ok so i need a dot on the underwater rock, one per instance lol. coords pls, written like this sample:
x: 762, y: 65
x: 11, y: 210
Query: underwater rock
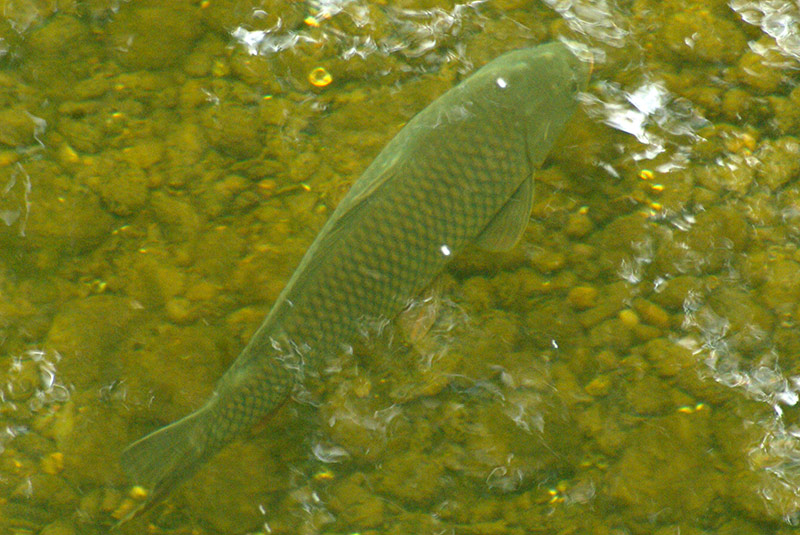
x: 152, y: 36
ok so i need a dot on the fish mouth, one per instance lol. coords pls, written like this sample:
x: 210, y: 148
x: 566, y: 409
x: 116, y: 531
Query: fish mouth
x: 583, y: 69
x: 582, y: 63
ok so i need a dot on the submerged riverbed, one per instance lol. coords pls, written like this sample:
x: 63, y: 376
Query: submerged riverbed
x: 630, y: 367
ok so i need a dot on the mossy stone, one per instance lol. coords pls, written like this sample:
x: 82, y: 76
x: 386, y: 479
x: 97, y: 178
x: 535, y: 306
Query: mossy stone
x: 780, y: 162
x: 411, y: 477
x: 152, y: 36
x: 697, y: 34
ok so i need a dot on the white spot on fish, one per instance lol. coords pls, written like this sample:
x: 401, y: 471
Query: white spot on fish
x: 501, y: 83
x: 445, y: 250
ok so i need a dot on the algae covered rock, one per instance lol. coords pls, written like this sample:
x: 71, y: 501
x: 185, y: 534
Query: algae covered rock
x: 412, y: 477
x: 60, y: 51
x: 61, y: 217
x: 619, y: 238
x: 719, y: 233
x: 651, y: 313
x: 178, y: 217
x: 734, y: 174
x: 582, y: 297
x: 352, y: 500
x: 17, y: 127
x: 666, y: 464
x: 763, y: 67
x: 59, y: 527
x: 47, y: 490
x: 786, y: 112
x: 780, y: 162
x: 699, y: 34
x: 749, y: 322
x: 551, y: 321
x: 611, y: 334
x: 88, y: 435
x: 668, y: 358
x: 673, y: 293
x: 152, y: 35
x: 234, y: 130
x: 224, y: 15
x: 122, y: 187
x: 649, y: 396
x: 228, y: 493
x: 84, y: 331
x: 781, y: 289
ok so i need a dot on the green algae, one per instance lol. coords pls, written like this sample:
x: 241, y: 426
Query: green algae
x: 181, y: 180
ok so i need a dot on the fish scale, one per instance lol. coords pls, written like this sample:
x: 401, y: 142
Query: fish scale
x: 459, y: 172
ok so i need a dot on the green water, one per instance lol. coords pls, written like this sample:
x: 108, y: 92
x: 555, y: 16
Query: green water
x: 629, y: 368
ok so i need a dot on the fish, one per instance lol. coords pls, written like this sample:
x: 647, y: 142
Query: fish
x: 460, y: 172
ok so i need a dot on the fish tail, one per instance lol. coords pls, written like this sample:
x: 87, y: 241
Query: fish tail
x: 167, y: 456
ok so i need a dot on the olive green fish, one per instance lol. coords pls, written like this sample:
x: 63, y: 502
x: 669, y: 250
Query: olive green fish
x: 460, y: 172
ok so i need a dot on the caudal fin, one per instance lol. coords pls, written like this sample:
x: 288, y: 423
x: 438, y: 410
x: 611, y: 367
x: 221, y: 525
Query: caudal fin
x: 167, y: 456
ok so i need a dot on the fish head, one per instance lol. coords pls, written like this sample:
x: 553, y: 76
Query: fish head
x: 537, y: 88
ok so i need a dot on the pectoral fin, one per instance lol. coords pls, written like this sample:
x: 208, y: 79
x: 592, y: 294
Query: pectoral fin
x: 506, y: 228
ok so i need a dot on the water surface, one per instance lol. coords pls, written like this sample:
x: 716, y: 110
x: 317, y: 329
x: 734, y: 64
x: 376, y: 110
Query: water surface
x: 630, y: 367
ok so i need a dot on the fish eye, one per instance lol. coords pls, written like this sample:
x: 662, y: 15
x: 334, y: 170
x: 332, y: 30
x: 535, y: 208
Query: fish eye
x: 573, y: 84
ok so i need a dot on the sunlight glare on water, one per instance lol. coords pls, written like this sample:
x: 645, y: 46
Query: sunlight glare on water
x: 779, y: 19
x: 415, y: 33
x: 601, y: 21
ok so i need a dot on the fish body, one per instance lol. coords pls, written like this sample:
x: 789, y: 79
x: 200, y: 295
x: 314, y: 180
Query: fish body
x: 460, y: 172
